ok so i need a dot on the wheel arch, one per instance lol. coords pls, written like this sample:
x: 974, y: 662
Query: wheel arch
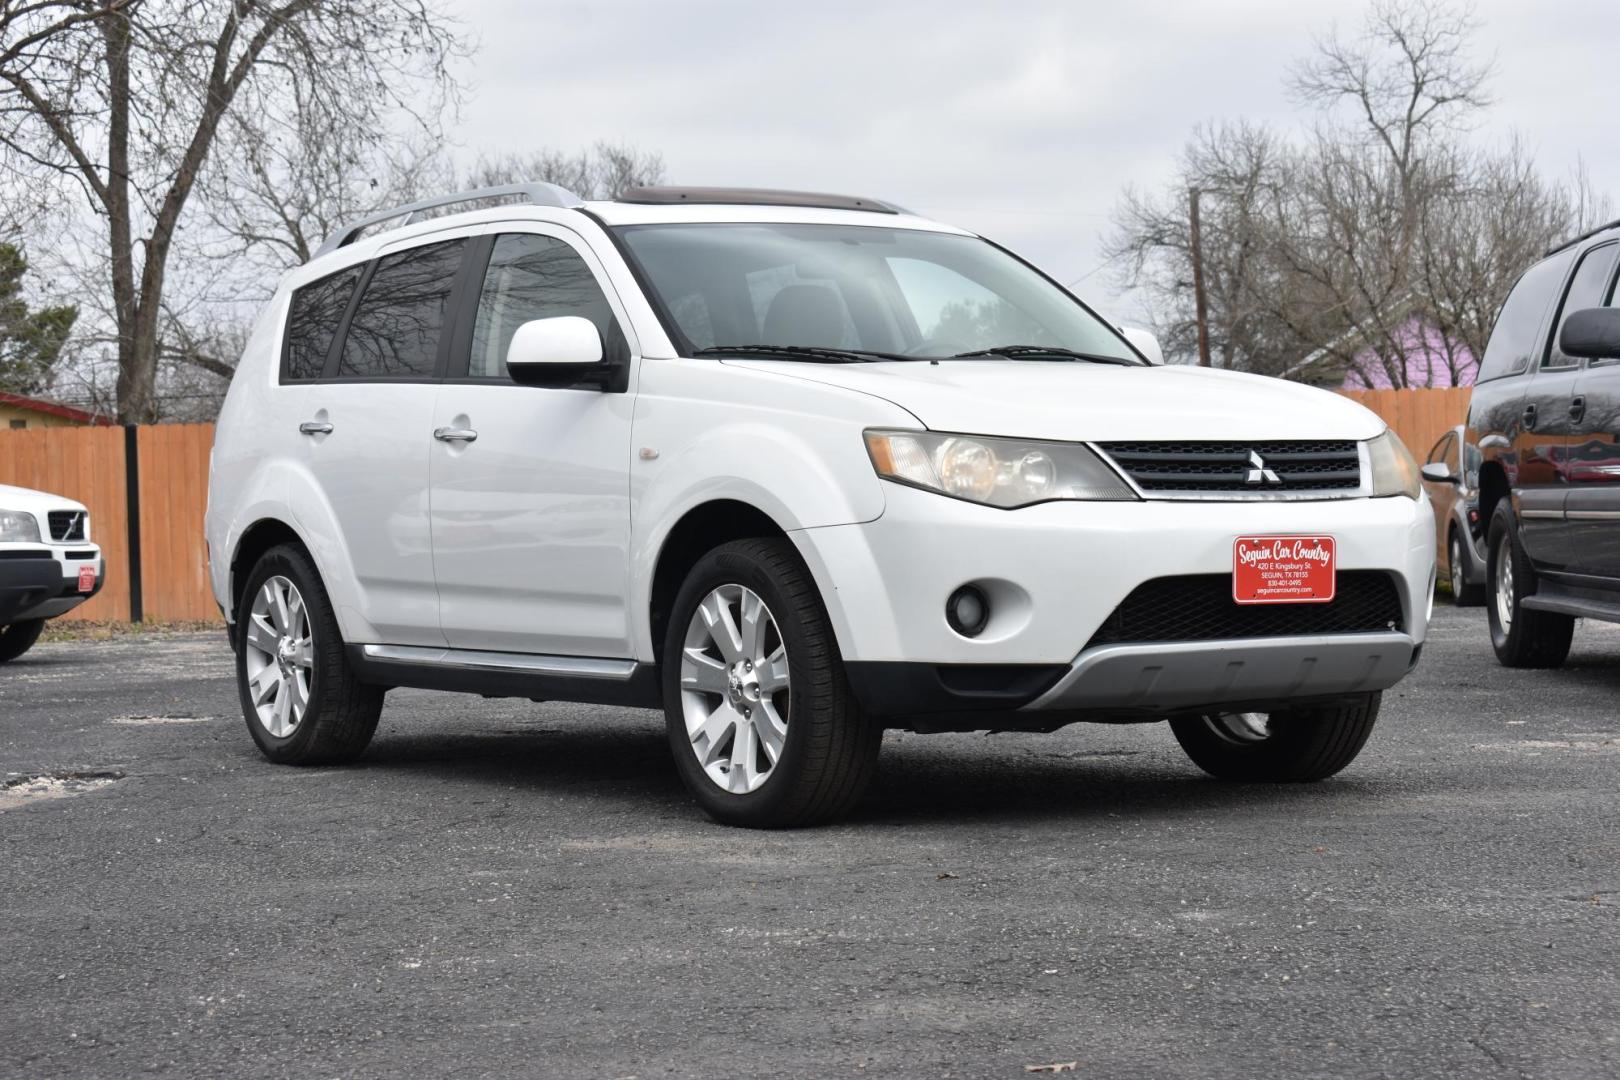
x: 699, y: 530
x: 1493, y: 488
x: 257, y: 539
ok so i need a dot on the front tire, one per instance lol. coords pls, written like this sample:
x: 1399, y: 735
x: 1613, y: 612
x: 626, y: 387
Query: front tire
x: 1462, y: 593
x: 19, y: 637
x: 1521, y: 637
x: 764, y: 728
x: 301, y: 699
x: 1286, y: 746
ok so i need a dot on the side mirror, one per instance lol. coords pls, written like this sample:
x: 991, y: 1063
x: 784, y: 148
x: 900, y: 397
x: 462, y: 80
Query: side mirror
x: 1593, y: 333
x: 562, y: 351
x: 1145, y: 343
x: 1439, y: 472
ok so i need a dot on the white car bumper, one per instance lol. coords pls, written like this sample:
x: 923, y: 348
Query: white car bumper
x: 1054, y: 574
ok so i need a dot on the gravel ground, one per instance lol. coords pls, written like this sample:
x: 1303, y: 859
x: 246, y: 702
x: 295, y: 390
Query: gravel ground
x: 503, y: 888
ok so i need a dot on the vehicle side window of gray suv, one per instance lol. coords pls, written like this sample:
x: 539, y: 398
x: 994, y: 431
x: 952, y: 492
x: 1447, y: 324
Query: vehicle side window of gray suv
x: 531, y: 276
x: 395, y: 330
x: 1610, y: 299
x: 1517, y: 335
x: 1586, y: 290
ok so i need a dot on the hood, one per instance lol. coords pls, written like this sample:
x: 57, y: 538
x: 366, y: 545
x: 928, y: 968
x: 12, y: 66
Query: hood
x: 1081, y: 402
x: 33, y: 502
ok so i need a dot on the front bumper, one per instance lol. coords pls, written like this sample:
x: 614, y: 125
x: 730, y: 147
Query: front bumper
x: 47, y: 584
x: 25, y: 584
x: 1055, y: 572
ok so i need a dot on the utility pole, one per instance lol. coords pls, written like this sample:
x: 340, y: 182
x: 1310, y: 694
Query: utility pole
x: 1201, y: 309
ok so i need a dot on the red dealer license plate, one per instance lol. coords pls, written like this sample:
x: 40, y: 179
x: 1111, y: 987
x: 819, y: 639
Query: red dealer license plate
x: 87, y: 579
x: 1283, y: 569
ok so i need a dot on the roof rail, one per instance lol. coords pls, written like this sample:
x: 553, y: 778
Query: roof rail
x: 1556, y: 248
x: 753, y: 197
x: 536, y: 192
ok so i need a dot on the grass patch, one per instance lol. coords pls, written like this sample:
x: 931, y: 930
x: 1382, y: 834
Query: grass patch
x: 84, y: 630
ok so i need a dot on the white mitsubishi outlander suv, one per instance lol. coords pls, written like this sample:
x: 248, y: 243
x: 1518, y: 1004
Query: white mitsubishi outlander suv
x: 795, y: 469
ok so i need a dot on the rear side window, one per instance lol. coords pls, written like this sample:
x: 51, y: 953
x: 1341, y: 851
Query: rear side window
x: 312, y: 323
x: 1586, y: 290
x: 533, y: 277
x: 396, y: 328
x: 1517, y: 335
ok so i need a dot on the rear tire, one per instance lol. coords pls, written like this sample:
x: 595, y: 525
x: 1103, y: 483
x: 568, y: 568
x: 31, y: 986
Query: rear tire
x: 1522, y: 638
x: 301, y: 699
x: 764, y: 728
x: 1462, y: 593
x: 1288, y: 746
x: 19, y: 637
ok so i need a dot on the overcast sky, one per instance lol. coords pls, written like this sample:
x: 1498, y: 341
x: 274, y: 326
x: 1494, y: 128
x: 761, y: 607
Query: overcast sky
x: 1022, y: 120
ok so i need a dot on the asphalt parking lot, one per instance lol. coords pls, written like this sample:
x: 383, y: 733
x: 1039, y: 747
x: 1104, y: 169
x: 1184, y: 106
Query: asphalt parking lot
x: 503, y: 888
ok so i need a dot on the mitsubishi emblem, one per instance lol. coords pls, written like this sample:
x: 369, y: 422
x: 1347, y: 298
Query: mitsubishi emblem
x: 1258, y: 472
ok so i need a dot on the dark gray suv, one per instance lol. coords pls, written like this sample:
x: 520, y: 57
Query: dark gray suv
x: 1545, y: 419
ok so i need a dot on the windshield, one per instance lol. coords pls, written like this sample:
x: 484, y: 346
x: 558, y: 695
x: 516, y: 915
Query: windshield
x: 861, y: 289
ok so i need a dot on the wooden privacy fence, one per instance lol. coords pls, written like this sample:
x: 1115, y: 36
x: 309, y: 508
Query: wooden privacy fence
x: 162, y: 471
x: 1419, y: 417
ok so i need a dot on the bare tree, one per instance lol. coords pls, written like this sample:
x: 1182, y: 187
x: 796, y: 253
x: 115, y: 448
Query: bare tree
x: 1382, y: 244
x: 1243, y: 170
x: 132, y: 101
x: 275, y: 201
x: 601, y: 172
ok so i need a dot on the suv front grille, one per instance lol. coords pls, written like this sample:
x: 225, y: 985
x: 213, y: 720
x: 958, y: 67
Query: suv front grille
x: 67, y: 525
x: 1199, y: 607
x: 1198, y: 468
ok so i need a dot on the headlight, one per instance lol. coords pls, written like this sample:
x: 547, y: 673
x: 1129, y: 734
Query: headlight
x: 18, y: 526
x: 1393, y: 470
x: 1006, y: 473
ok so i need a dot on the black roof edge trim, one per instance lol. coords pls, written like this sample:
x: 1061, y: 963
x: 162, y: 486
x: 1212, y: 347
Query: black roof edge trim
x: 1615, y: 224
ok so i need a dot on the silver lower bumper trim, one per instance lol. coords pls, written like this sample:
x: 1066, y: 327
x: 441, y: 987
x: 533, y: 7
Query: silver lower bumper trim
x: 1180, y: 675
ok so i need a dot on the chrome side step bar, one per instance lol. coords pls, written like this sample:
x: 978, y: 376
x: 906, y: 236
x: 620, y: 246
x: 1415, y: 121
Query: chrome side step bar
x: 578, y: 667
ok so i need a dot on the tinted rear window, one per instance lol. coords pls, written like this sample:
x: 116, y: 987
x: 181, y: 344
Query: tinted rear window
x: 316, y: 311
x: 1517, y: 336
x: 395, y: 331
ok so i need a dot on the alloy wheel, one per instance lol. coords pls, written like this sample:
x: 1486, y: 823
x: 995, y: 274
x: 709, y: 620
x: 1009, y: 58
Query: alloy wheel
x: 280, y: 656
x: 734, y: 688
x: 1454, y: 557
x: 1246, y: 727
x: 1504, y: 582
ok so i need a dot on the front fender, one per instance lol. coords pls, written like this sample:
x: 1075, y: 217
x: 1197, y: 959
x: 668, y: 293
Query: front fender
x: 790, y: 448
x: 784, y: 475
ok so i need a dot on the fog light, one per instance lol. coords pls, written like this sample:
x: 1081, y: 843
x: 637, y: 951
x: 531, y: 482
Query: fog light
x: 967, y: 611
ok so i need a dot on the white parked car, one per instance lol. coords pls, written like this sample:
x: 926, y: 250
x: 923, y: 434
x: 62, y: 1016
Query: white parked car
x: 48, y: 566
x: 795, y: 469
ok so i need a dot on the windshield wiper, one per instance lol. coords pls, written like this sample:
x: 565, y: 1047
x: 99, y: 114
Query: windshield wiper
x: 1033, y: 352
x: 816, y: 353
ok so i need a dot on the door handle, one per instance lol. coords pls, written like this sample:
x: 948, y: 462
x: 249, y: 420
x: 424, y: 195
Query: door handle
x: 315, y: 427
x: 453, y: 434
x: 1577, y: 407
x: 1530, y: 417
